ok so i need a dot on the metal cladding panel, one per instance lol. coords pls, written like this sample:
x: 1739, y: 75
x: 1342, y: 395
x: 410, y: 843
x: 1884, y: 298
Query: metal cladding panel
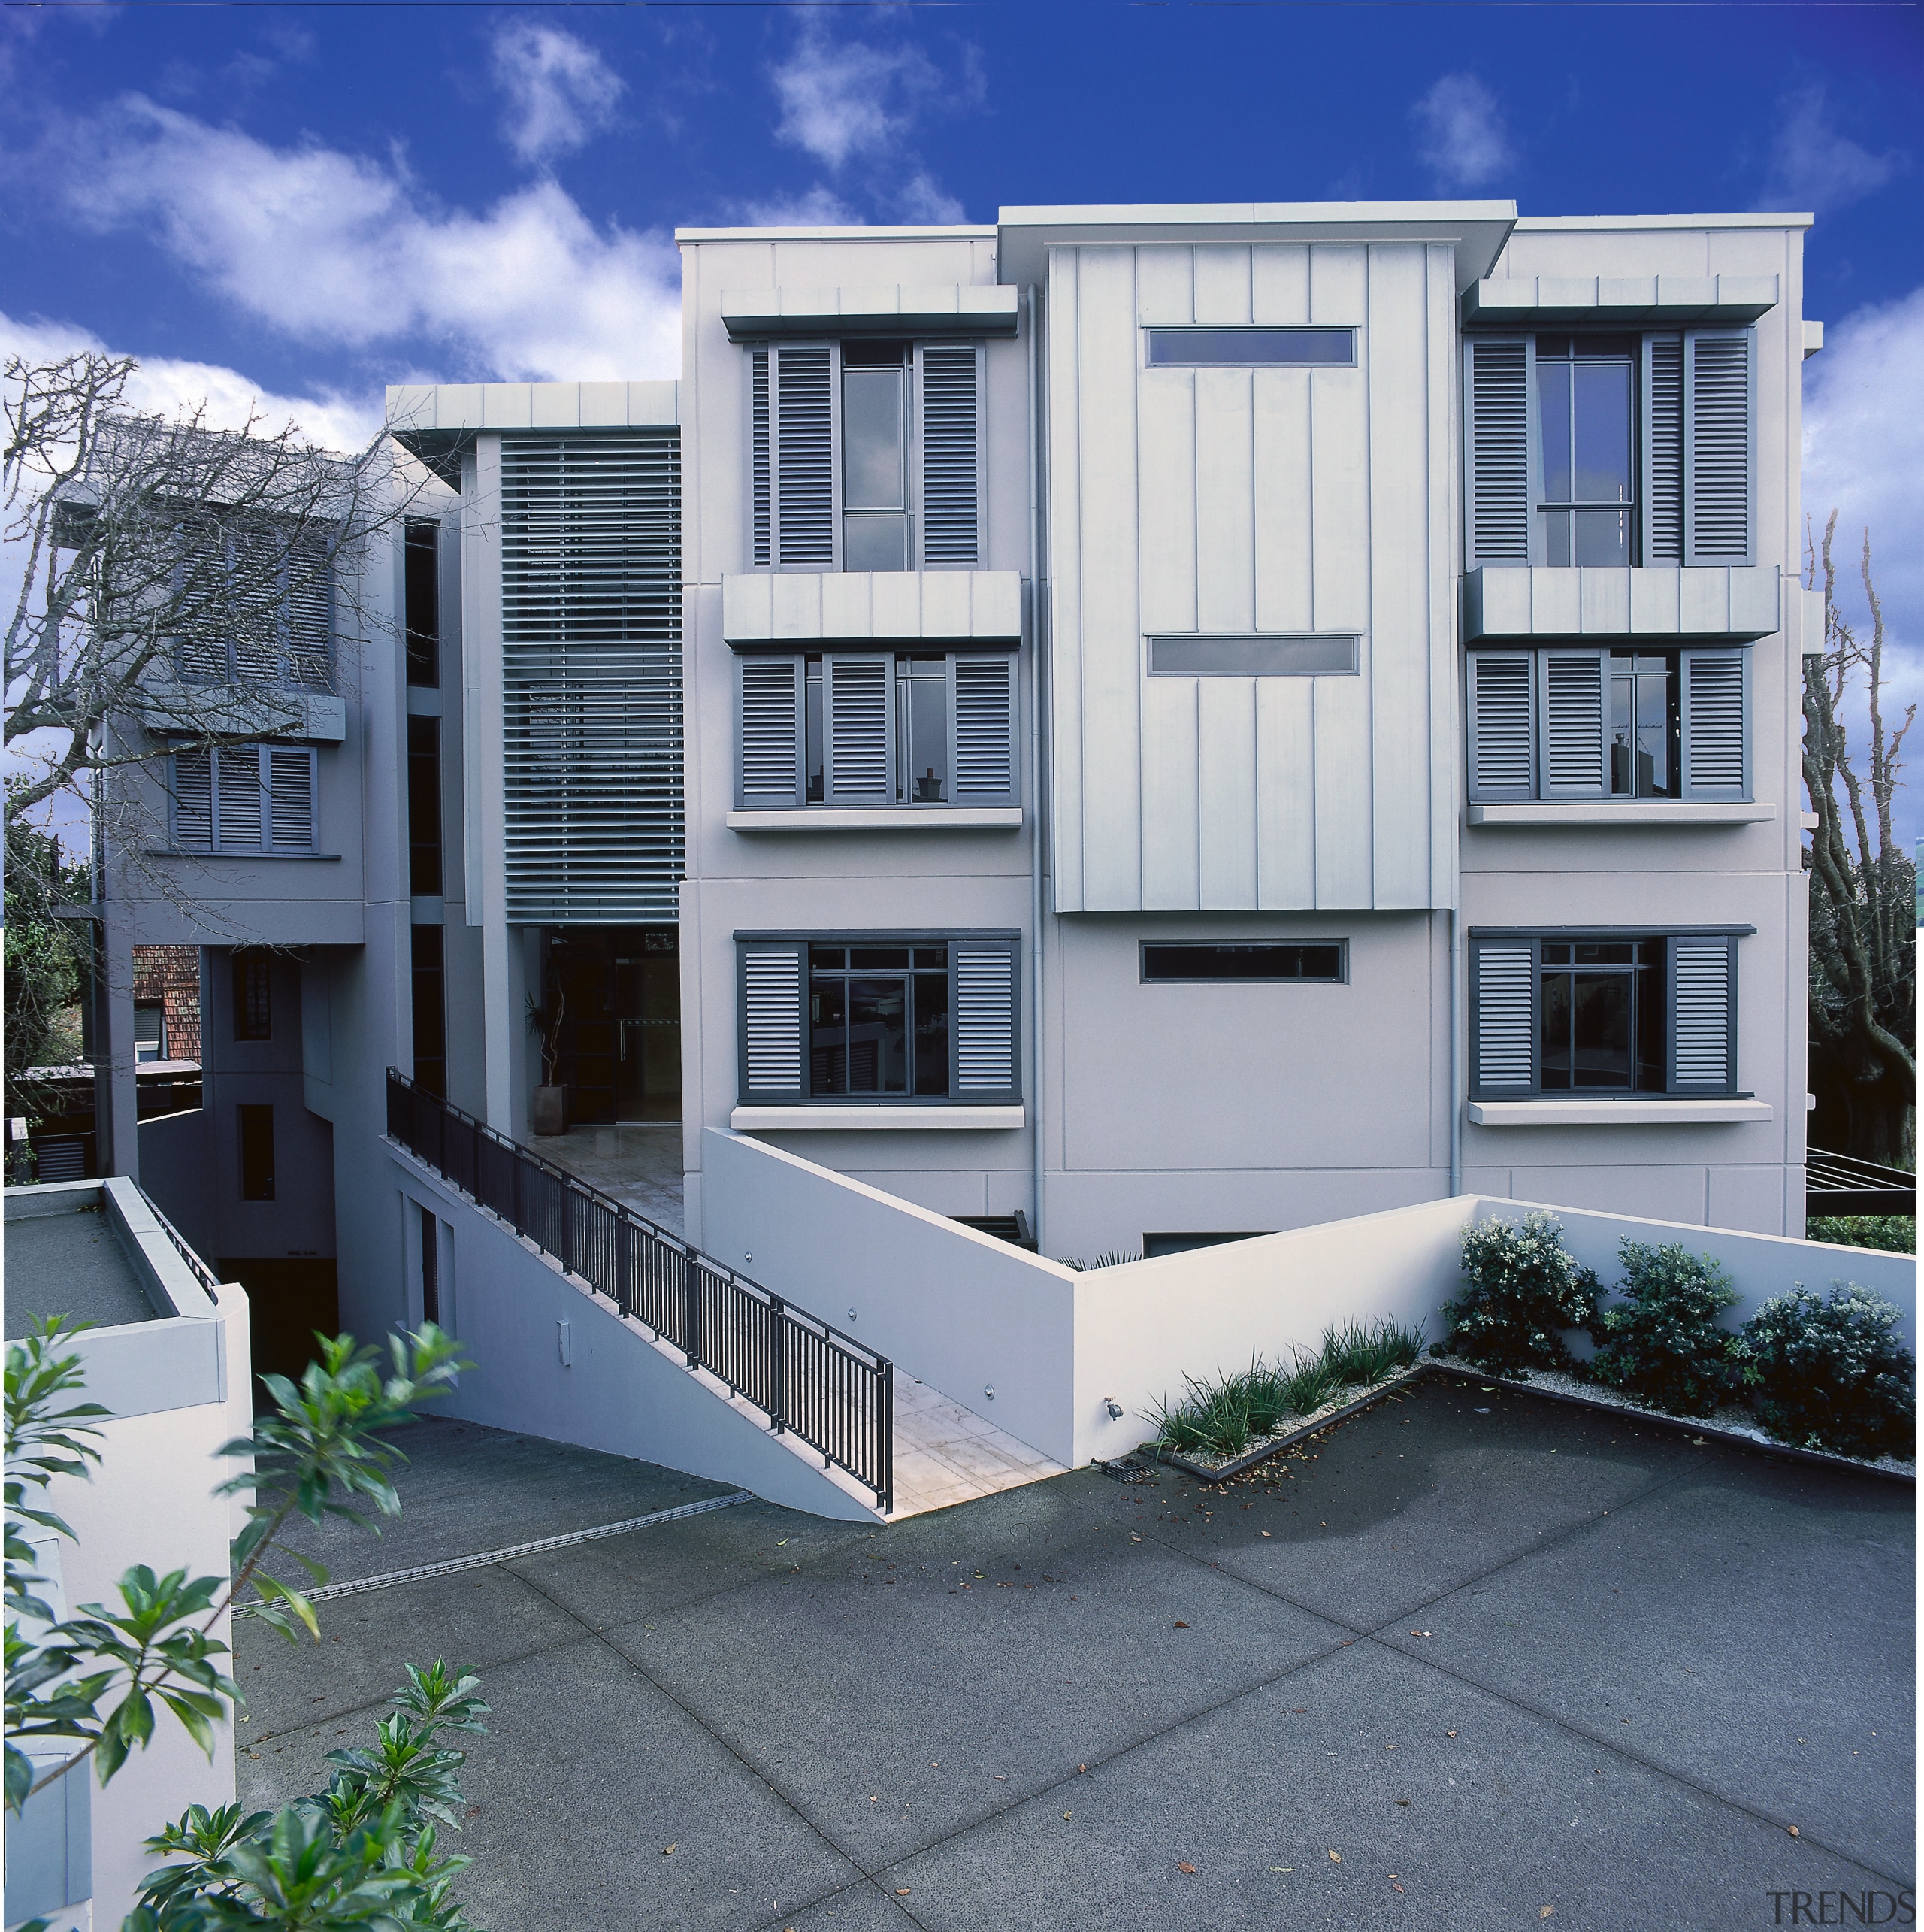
x: 591, y: 675
x: 1199, y: 499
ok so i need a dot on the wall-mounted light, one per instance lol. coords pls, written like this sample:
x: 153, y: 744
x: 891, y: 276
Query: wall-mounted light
x: 1114, y: 1407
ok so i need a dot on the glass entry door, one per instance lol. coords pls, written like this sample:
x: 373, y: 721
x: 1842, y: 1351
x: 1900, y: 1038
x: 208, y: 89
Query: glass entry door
x: 648, y: 999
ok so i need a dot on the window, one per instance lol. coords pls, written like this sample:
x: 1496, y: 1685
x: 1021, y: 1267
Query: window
x: 430, y: 1265
x: 244, y: 798
x: 426, y: 961
x: 1273, y: 656
x: 876, y: 728
x: 1265, y: 961
x: 1596, y: 449
x: 1599, y: 723
x: 1251, y: 348
x: 874, y: 1017
x: 421, y: 597
x: 150, y: 1031
x: 1555, y: 1014
x: 256, y: 605
x: 256, y: 1127
x: 253, y: 1002
x: 865, y: 455
x: 424, y: 808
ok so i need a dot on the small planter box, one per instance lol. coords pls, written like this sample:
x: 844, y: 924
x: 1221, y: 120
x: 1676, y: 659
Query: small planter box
x: 1352, y: 1401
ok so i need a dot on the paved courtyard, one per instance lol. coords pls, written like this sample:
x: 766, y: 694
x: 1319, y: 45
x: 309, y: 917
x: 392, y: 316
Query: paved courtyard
x: 1481, y: 1661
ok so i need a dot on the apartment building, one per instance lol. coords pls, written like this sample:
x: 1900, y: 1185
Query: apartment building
x: 1170, y: 723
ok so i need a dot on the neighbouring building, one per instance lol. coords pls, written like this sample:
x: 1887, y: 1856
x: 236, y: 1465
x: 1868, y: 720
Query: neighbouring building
x: 1169, y: 723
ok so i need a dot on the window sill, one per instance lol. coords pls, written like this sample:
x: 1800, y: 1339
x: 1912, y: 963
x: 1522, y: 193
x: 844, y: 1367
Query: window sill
x: 297, y: 857
x: 1622, y: 817
x: 883, y: 818
x: 858, y: 1119
x: 1654, y: 1112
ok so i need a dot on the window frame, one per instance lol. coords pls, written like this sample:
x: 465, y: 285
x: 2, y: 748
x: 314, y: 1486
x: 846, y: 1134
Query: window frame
x: 765, y: 418
x: 1145, y: 977
x: 1175, y: 330
x: 797, y: 664
x: 1002, y: 943
x: 1696, y: 938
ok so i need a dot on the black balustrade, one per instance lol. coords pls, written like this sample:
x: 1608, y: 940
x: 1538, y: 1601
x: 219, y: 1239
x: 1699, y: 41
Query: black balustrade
x: 809, y: 1380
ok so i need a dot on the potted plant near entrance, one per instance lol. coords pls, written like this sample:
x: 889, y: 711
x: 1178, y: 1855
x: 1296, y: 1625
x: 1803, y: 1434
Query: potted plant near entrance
x: 548, y: 1108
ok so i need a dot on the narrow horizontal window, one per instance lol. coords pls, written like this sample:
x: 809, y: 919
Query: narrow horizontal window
x: 1320, y: 960
x: 1273, y: 656
x: 1252, y: 348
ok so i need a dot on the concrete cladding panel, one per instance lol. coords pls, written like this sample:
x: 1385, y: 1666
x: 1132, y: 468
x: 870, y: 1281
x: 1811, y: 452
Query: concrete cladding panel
x: 1241, y: 500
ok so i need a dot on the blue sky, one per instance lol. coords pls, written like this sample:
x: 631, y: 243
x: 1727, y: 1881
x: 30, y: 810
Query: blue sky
x: 306, y: 202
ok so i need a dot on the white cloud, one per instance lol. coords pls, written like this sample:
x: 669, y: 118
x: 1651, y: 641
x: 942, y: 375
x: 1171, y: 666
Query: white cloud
x: 817, y: 207
x: 1459, y: 134
x: 561, y: 92
x: 336, y: 248
x: 840, y: 102
x: 166, y: 385
x: 1863, y: 400
x: 925, y: 200
x: 1813, y: 166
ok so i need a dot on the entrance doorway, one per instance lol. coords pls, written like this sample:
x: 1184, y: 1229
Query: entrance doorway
x: 621, y: 1042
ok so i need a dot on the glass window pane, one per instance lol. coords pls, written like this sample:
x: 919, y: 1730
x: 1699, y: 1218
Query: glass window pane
x: 1604, y: 952
x: 1649, y: 978
x: 828, y: 1045
x: 1654, y: 771
x: 1600, y: 1029
x: 1556, y: 953
x: 1553, y: 397
x: 1554, y: 1044
x: 878, y: 1036
x: 1246, y: 348
x: 870, y: 959
x: 1622, y: 715
x: 1601, y: 536
x: 1601, y: 410
x: 812, y: 729
x: 1556, y: 537
x: 828, y: 956
x: 931, y: 1032
x: 932, y: 955
x: 870, y: 543
x: 924, y: 735
x: 871, y: 439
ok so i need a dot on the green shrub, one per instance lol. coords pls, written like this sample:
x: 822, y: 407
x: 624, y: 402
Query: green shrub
x: 1831, y: 1374
x: 1894, y: 1234
x: 1365, y: 1352
x: 1661, y: 1343
x: 1521, y: 1290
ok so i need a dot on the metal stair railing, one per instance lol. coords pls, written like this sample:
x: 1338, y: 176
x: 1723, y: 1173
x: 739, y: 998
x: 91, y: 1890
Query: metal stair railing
x: 808, y: 1379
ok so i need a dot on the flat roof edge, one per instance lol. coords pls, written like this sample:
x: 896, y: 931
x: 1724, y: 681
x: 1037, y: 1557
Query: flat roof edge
x: 1542, y: 224
x: 956, y: 232
x: 1170, y: 213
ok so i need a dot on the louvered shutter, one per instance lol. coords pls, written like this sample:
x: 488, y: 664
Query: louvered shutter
x: 309, y: 613
x: 193, y: 799
x: 985, y: 730
x: 859, y: 707
x: 1716, y: 453
x: 950, y: 443
x: 237, y: 797
x: 984, y: 1003
x: 1663, y: 449
x: 257, y: 603
x: 804, y: 465
x: 1497, y: 416
x: 1716, y: 721
x: 1502, y: 725
x: 760, y: 551
x: 1573, y: 712
x: 291, y: 797
x: 773, y: 987
x: 1503, y: 1016
x: 769, y: 707
x: 1703, y: 1012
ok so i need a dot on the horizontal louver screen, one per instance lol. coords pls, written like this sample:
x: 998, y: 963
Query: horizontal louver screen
x: 1502, y: 745
x: 1499, y: 463
x: 771, y: 1021
x: 1573, y: 746
x: 1719, y: 472
x: 1701, y: 994
x: 859, y: 692
x: 985, y: 731
x: 950, y: 509
x: 237, y: 797
x: 804, y: 456
x: 1663, y: 525
x: 760, y: 527
x: 984, y: 1021
x: 291, y: 798
x: 591, y: 663
x: 771, y: 736
x: 1505, y: 1015
x: 1713, y: 721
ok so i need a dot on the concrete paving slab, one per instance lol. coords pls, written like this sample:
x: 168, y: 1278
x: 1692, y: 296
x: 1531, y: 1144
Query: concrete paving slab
x: 478, y: 1617
x: 586, y: 1775
x: 1352, y: 1756
x: 895, y: 1701
x: 465, y: 1488
x: 870, y: 1906
x: 1748, y: 1628
x: 1415, y: 1496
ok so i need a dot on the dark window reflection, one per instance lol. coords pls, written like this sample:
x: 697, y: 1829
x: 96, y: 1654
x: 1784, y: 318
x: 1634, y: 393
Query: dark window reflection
x: 1601, y: 1016
x: 1585, y: 407
x: 879, y: 1021
x: 1645, y: 725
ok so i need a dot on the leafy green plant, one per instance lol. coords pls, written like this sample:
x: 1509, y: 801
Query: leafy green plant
x: 1830, y: 1374
x: 1661, y: 1343
x: 1894, y: 1234
x: 1521, y: 1289
x: 1365, y: 1352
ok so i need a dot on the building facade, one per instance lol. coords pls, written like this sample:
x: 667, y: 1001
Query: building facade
x: 1170, y: 723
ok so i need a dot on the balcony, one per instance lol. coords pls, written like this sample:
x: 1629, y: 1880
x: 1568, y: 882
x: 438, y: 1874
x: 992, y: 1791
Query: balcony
x: 860, y: 607
x: 1723, y: 601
